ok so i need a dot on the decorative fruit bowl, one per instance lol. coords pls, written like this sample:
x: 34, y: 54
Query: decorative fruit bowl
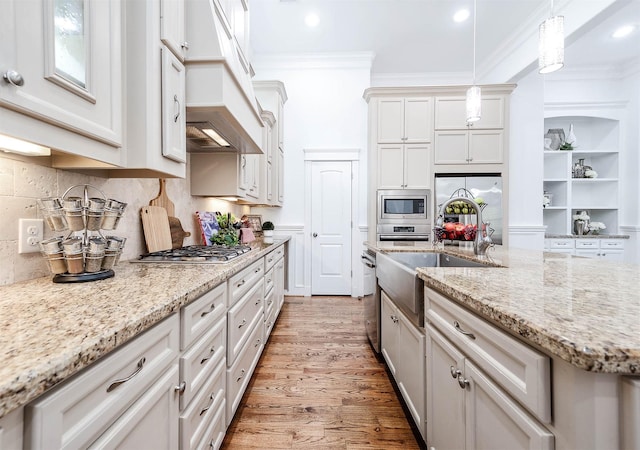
x: 455, y: 231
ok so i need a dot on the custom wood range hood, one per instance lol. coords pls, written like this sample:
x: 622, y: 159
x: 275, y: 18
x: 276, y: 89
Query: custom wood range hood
x: 219, y: 91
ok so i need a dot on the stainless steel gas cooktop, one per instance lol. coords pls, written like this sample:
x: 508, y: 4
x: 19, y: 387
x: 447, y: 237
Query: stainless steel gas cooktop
x: 196, y: 254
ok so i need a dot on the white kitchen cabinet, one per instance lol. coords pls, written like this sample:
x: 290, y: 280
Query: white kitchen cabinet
x: 152, y: 422
x: 630, y: 416
x: 485, y: 389
x: 242, y: 318
x: 598, y: 145
x: 172, y: 23
x: 279, y: 279
x: 267, y: 163
x: 155, y: 98
x: 272, y: 96
x: 404, y: 166
x: 92, y: 403
x: 451, y: 113
x: 11, y: 429
x: 469, y: 147
x: 402, y: 348
x: 67, y: 84
x: 405, y: 120
x: 592, y: 247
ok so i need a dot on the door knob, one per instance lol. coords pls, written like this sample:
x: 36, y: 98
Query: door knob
x: 315, y: 234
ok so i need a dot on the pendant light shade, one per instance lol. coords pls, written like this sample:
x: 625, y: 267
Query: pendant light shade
x: 551, y: 44
x: 474, y: 99
x: 474, y: 103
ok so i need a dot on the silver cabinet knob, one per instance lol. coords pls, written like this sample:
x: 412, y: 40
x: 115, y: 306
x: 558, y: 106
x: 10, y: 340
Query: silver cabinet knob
x: 315, y: 234
x: 13, y: 77
x: 185, y: 45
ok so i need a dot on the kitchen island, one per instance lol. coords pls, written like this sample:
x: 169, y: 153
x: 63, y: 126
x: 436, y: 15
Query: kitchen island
x: 49, y: 331
x: 578, y: 317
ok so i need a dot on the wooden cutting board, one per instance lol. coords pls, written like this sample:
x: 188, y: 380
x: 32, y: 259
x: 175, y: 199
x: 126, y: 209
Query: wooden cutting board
x: 175, y: 227
x: 155, y: 224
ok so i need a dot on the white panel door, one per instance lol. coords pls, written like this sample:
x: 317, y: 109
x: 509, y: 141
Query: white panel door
x: 331, y: 228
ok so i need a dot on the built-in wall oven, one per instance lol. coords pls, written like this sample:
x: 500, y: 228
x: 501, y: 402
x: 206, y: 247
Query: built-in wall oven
x: 403, y: 215
x: 371, y: 299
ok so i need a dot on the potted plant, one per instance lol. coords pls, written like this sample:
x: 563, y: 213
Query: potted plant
x: 267, y: 232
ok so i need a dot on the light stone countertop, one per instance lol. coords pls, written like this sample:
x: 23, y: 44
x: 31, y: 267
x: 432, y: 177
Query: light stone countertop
x: 50, y: 331
x: 584, y: 311
x: 586, y: 236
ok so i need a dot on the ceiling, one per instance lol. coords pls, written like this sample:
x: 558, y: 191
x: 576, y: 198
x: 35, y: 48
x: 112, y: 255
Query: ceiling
x: 420, y: 36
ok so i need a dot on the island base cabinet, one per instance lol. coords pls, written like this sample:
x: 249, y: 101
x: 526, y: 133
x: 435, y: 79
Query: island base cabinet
x: 11, y: 430
x: 467, y: 410
x: 631, y: 412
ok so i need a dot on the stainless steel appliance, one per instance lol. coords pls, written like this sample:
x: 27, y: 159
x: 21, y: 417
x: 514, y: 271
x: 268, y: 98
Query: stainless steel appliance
x: 486, y: 186
x: 403, y: 214
x: 195, y: 254
x: 371, y: 300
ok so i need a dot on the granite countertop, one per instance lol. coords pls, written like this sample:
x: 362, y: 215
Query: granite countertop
x: 586, y: 236
x: 50, y: 331
x: 584, y: 311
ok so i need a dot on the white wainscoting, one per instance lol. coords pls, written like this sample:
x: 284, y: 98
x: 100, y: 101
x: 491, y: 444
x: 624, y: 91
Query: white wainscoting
x: 632, y: 246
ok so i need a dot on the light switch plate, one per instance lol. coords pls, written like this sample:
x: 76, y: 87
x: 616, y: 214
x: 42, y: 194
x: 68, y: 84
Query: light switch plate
x: 31, y: 232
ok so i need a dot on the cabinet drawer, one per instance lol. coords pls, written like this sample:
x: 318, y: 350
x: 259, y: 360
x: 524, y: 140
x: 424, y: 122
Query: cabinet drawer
x: 612, y: 244
x: 217, y: 429
x: 242, y: 281
x: 561, y: 243
x: 75, y: 413
x: 200, y: 360
x: 269, y: 314
x: 587, y: 243
x: 270, y: 260
x: 268, y: 280
x: 520, y: 370
x: 239, y: 374
x: 205, y: 406
x: 241, y: 319
x: 198, y: 316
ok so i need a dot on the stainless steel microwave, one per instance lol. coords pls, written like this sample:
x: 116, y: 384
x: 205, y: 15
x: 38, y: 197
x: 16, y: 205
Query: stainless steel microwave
x: 399, y: 206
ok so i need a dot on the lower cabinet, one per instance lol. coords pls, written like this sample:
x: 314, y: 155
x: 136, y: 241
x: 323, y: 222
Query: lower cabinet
x: 11, y: 430
x: 485, y: 389
x: 608, y: 248
x: 402, y: 347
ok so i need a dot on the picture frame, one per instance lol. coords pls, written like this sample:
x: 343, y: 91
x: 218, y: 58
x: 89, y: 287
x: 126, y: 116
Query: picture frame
x: 255, y: 222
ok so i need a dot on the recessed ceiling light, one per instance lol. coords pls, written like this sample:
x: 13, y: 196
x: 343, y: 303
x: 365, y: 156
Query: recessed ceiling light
x: 623, y: 31
x: 461, y: 15
x: 312, y: 20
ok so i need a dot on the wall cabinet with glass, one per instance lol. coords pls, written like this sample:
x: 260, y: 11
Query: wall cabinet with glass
x: 569, y: 189
x: 61, y: 76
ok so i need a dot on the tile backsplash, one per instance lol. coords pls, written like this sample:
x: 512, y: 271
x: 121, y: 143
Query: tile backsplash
x: 22, y: 182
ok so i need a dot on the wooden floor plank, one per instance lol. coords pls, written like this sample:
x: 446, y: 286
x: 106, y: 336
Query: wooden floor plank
x: 318, y: 385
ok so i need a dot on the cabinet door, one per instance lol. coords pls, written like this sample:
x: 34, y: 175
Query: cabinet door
x: 11, y: 428
x: 450, y: 147
x: 391, y: 166
x: 389, y: 333
x: 390, y: 120
x: 411, y: 370
x: 151, y: 422
x: 173, y: 108
x: 172, y: 26
x: 612, y: 255
x: 485, y: 147
x: 69, y: 55
x: 445, y: 397
x: 451, y: 113
x: 280, y: 180
x: 417, y: 166
x: 418, y: 120
x: 493, y: 420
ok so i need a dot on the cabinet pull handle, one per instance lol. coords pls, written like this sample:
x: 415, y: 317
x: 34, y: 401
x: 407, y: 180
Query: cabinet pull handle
x: 117, y: 383
x: 455, y: 373
x: 211, y: 352
x: 175, y: 100
x: 241, y: 283
x: 185, y: 45
x: 243, y: 323
x: 258, y: 341
x: 258, y: 301
x: 181, y: 387
x: 257, y: 270
x: 241, y: 376
x: 213, y: 306
x: 460, y: 330
x: 208, y: 407
x: 463, y: 382
x: 394, y: 318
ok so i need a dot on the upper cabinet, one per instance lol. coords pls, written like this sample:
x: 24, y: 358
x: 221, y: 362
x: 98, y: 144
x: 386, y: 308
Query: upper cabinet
x: 61, y: 75
x: 405, y: 120
x: 458, y: 142
x: 172, y: 31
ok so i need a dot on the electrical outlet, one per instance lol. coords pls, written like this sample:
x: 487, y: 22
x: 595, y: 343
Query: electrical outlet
x: 30, y: 233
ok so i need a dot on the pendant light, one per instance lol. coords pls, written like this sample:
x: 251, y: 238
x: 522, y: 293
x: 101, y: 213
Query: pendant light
x: 474, y: 99
x: 551, y: 44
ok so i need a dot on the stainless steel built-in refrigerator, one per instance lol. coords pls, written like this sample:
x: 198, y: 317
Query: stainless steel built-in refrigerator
x: 487, y: 186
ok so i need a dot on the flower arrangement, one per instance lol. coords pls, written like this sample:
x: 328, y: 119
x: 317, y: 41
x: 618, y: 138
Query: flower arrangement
x: 596, y: 227
x: 590, y: 173
x: 583, y: 216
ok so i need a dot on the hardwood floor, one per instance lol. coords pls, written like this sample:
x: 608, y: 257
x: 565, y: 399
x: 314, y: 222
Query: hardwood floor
x: 318, y: 384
